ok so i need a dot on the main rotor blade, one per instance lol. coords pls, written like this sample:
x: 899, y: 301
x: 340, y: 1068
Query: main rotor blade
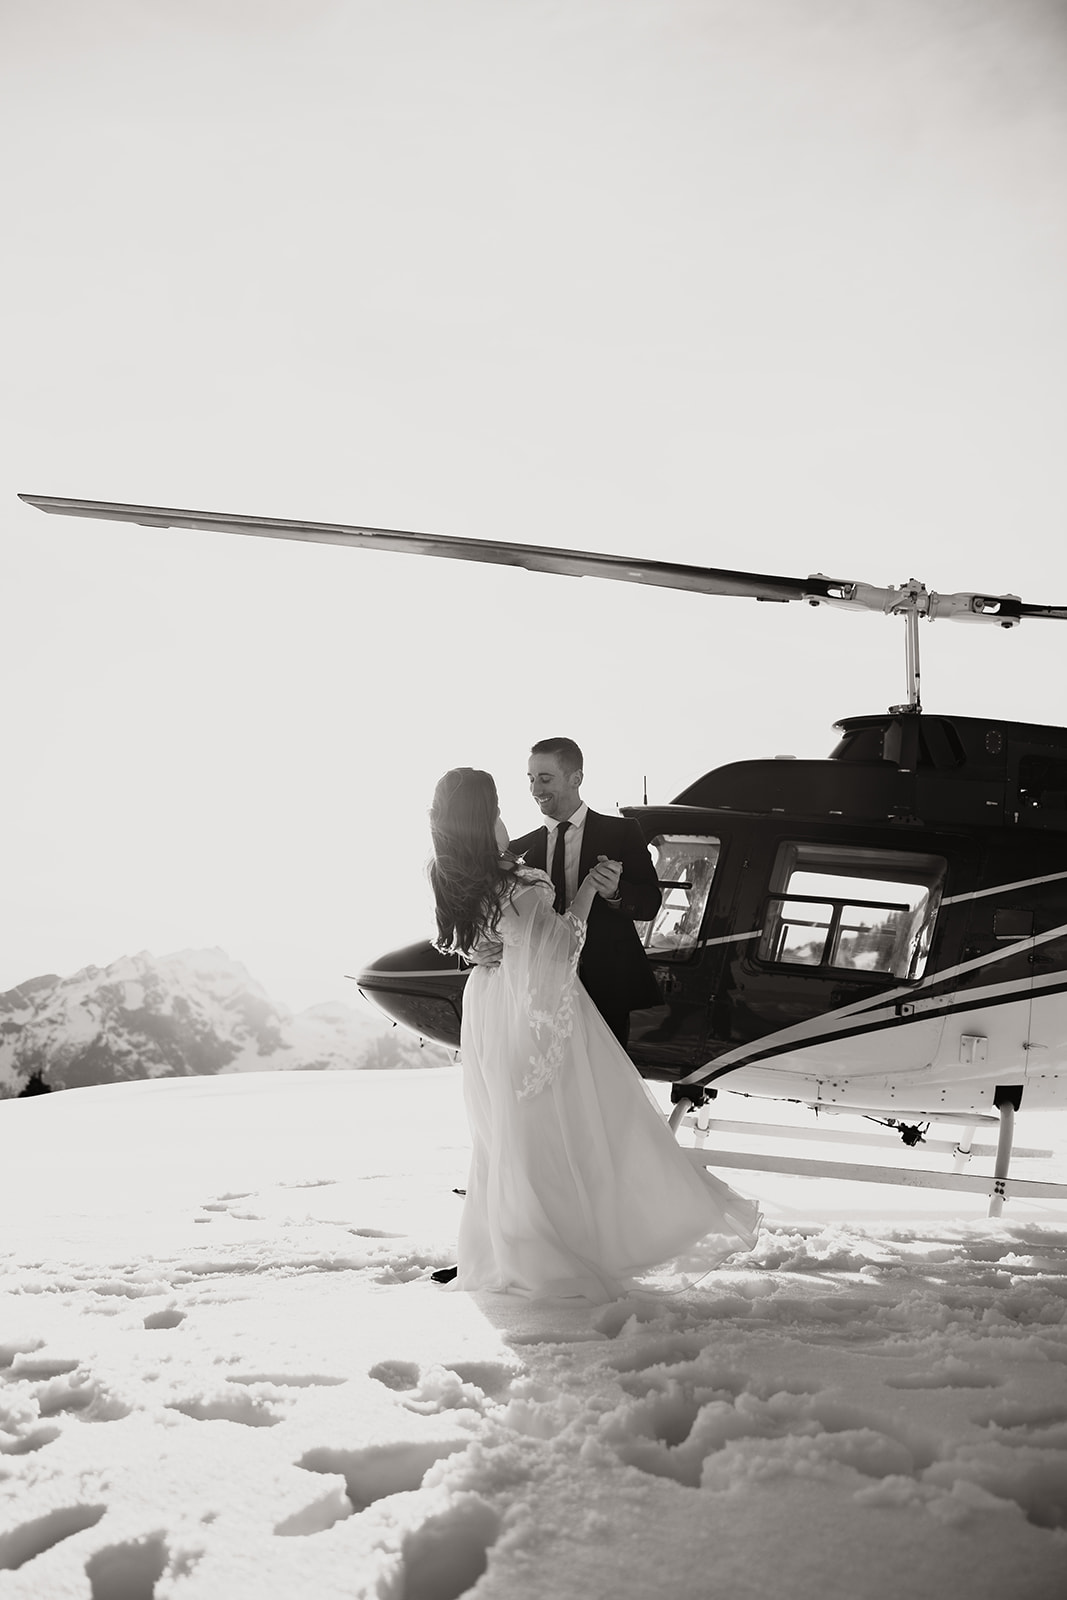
x: 1058, y: 613
x: 535, y: 558
x: 1007, y: 610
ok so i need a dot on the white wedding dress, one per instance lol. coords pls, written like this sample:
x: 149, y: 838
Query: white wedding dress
x: 576, y: 1181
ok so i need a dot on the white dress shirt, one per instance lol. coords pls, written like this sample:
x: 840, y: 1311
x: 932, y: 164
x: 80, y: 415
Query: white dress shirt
x: 572, y: 846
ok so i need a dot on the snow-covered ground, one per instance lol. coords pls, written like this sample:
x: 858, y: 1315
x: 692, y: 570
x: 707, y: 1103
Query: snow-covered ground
x: 225, y: 1375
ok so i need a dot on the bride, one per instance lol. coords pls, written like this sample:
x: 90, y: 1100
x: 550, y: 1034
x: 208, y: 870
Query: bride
x: 576, y: 1182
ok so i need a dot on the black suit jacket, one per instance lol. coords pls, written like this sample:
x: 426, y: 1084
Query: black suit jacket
x: 613, y: 967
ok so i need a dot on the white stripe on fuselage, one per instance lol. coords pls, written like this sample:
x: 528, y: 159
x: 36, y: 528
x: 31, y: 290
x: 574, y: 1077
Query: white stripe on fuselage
x: 1003, y: 888
x: 830, y: 1022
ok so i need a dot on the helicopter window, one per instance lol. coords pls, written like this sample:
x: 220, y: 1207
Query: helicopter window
x: 861, y: 910
x: 685, y: 866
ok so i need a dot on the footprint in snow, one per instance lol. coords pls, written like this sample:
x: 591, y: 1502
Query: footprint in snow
x: 33, y: 1537
x: 465, y: 1385
x: 445, y: 1557
x: 169, y: 1317
x: 287, y: 1380
x: 377, y: 1471
x: 251, y: 1411
x: 127, y: 1571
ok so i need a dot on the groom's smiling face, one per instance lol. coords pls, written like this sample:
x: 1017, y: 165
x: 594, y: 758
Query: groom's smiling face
x: 554, y: 790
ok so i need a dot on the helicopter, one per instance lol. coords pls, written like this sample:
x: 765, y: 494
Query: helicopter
x: 881, y: 932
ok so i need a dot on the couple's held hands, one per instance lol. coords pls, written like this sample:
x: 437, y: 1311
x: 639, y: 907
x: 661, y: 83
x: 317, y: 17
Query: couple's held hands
x: 605, y: 877
x: 602, y: 879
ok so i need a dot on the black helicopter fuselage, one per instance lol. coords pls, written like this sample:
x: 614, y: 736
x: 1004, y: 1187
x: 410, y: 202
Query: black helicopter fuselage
x: 885, y: 929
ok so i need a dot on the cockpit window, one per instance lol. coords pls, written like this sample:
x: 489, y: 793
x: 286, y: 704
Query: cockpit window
x: 685, y: 866
x: 861, y: 910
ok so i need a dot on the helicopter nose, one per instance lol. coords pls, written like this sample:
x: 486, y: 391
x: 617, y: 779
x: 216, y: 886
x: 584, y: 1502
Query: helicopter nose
x: 419, y: 988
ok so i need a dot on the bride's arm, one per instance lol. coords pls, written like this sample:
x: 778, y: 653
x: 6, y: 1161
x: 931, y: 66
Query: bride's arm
x: 582, y: 903
x: 546, y: 948
x: 598, y: 879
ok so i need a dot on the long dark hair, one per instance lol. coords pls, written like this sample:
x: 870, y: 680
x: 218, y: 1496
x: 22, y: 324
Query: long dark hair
x: 468, y: 875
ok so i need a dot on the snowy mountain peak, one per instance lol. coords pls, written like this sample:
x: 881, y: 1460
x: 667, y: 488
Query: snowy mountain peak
x: 190, y: 1012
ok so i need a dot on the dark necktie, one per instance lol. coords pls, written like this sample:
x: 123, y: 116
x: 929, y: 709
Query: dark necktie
x: 559, y: 872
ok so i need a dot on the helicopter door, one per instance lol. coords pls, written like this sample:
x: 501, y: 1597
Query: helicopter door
x: 673, y: 1036
x: 685, y: 866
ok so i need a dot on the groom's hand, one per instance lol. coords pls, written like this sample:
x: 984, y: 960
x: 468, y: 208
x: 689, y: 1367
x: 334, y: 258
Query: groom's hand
x: 606, y: 875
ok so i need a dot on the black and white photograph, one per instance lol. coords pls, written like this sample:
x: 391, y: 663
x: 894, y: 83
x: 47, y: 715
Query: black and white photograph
x: 533, y: 950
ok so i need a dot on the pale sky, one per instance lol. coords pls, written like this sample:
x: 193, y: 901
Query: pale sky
x: 767, y: 284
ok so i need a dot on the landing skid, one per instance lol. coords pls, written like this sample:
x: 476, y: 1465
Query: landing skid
x: 998, y: 1186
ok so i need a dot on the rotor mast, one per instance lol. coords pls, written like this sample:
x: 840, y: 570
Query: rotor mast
x: 913, y: 603
x: 914, y: 600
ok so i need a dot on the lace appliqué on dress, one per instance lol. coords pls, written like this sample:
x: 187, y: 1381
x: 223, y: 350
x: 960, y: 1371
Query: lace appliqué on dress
x: 551, y: 1028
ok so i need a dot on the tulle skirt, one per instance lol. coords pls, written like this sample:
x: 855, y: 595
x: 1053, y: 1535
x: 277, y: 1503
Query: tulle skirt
x: 577, y: 1189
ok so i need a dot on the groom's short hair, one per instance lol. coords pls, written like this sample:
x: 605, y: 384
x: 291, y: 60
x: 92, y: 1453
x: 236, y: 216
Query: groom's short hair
x: 570, y: 756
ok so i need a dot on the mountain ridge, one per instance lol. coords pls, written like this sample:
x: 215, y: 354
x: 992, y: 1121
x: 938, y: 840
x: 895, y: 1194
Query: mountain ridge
x: 190, y: 1013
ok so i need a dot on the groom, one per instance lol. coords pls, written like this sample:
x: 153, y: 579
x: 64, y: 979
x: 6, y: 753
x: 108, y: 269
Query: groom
x: 575, y: 840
